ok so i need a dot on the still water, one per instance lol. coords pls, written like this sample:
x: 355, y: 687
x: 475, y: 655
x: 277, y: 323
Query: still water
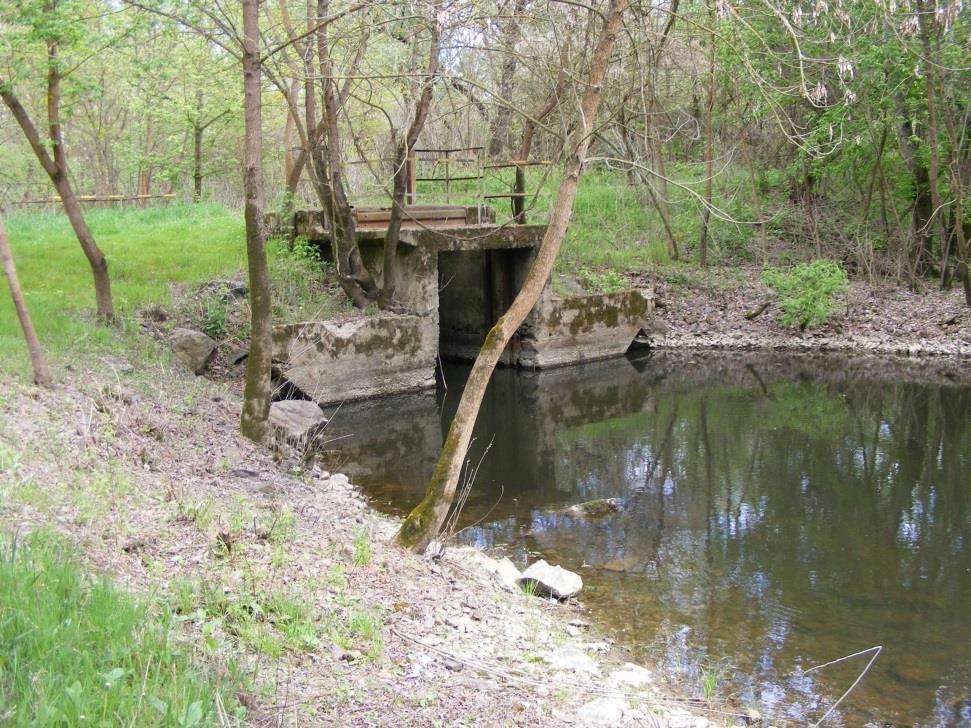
x: 777, y: 513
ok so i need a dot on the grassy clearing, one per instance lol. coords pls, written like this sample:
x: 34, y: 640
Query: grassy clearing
x: 149, y: 252
x: 75, y: 650
x: 615, y: 226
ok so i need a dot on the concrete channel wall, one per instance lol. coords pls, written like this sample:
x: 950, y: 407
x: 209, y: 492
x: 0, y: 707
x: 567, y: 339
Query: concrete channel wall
x: 454, y: 284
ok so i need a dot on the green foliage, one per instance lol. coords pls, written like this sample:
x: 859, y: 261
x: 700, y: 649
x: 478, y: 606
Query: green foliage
x: 605, y: 281
x: 362, y: 549
x: 147, y: 250
x: 304, y: 286
x: 77, y: 651
x: 807, y: 291
x: 713, y: 673
x: 217, y: 314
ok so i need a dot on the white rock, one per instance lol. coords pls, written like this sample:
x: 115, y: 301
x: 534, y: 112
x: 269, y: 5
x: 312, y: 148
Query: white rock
x: 603, y: 711
x: 570, y: 658
x: 339, y: 480
x: 507, y: 573
x: 554, y: 581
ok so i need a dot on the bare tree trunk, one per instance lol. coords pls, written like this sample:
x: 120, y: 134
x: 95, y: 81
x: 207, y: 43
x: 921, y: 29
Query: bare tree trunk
x: 56, y: 169
x: 920, y: 251
x: 656, y: 147
x: 42, y: 375
x: 709, y: 143
x: 529, y: 129
x: 960, y: 166
x: 424, y: 522
x: 324, y: 150
x: 403, y: 151
x: 197, y: 131
x: 254, y: 422
x: 757, y: 202
x: 499, y: 128
x: 933, y: 140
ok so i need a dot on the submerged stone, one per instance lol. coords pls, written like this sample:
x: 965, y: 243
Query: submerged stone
x: 594, y: 508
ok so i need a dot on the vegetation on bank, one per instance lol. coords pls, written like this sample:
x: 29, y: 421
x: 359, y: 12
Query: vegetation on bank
x: 155, y: 255
x: 75, y: 650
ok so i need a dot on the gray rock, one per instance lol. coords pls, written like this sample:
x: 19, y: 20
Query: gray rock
x: 633, y: 675
x: 603, y: 711
x: 193, y: 348
x: 554, y: 581
x: 297, y: 420
x: 594, y: 508
x: 238, y: 356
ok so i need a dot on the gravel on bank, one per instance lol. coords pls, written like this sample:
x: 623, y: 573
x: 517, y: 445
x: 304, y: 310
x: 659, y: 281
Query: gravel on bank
x: 734, y: 309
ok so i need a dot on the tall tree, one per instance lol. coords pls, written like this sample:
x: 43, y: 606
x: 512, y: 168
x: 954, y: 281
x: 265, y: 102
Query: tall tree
x: 254, y: 422
x: 424, y: 522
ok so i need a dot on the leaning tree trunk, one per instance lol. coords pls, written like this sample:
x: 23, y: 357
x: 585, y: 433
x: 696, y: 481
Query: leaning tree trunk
x: 56, y: 169
x: 254, y: 422
x: 424, y: 522
x: 42, y: 374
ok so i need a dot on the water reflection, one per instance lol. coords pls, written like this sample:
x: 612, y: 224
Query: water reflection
x: 777, y: 513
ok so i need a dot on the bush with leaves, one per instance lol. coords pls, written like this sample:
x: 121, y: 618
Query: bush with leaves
x: 807, y: 291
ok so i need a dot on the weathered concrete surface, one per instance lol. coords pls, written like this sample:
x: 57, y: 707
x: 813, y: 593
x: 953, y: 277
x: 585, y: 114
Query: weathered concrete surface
x: 576, y: 329
x: 474, y: 289
x: 360, y: 358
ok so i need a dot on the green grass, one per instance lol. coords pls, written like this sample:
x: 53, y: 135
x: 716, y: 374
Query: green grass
x: 615, y: 227
x: 75, y: 650
x: 147, y: 250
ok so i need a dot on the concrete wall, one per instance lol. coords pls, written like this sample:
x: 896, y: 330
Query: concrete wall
x: 562, y: 331
x: 363, y: 357
x: 454, y: 285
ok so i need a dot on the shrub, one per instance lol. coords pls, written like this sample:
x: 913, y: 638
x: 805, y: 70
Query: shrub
x: 806, y: 293
x: 608, y: 281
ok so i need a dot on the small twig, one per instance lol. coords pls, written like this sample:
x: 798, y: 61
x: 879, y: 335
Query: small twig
x: 876, y: 650
x: 752, y: 315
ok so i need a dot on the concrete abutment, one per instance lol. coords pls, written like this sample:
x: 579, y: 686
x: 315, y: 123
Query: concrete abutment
x: 453, y: 283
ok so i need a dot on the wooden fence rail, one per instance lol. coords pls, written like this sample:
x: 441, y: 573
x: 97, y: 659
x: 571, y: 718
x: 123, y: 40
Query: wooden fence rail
x: 97, y: 198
